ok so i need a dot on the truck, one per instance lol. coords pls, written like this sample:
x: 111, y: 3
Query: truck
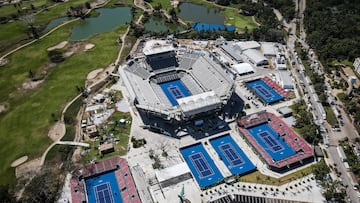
x: 353, y: 180
x: 346, y: 165
x: 341, y: 153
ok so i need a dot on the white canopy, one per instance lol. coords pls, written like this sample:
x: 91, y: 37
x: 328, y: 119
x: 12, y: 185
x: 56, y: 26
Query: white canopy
x: 242, y: 68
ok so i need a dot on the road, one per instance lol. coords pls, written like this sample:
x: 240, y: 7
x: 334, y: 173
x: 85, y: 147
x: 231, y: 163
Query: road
x: 297, y: 69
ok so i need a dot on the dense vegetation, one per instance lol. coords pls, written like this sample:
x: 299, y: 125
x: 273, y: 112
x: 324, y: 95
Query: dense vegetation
x: 305, y: 123
x: 333, y: 28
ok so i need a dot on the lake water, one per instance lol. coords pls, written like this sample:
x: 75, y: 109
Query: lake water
x: 198, y: 13
x: 55, y: 23
x: 108, y: 19
x: 160, y: 25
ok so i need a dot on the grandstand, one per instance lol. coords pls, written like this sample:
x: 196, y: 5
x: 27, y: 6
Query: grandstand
x: 176, y: 86
x: 282, y: 150
x: 105, y: 181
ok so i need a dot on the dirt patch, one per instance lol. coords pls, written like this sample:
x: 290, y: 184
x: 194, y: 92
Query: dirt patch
x: 19, y: 161
x: 58, y: 46
x: 89, y: 46
x: 28, y: 168
x: 57, y: 131
x: 30, y: 85
x: 94, y: 73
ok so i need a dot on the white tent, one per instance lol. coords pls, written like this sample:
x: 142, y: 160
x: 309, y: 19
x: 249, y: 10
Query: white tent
x: 243, y: 68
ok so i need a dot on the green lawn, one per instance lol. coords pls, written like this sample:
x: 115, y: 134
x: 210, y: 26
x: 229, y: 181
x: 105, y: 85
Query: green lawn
x: 120, y: 131
x: 239, y: 21
x: 164, y: 3
x: 257, y: 177
x: 330, y: 116
x: 10, y: 9
x: 23, y: 129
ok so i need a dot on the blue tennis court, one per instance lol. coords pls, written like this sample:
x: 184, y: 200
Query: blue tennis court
x: 103, y: 189
x: 201, y: 165
x: 271, y: 142
x: 231, y: 154
x: 265, y: 93
x: 174, y: 90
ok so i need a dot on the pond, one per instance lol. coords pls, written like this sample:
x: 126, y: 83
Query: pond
x: 108, y: 19
x: 55, y: 23
x: 157, y: 25
x: 197, y: 13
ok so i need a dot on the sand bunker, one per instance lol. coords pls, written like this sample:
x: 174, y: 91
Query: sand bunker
x: 94, y: 73
x: 89, y: 46
x: 19, y: 161
x: 58, y: 46
x: 30, y: 85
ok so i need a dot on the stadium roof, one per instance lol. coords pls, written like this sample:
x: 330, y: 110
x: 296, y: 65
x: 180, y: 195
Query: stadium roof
x: 172, y: 172
x: 152, y: 47
x: 254, y: 56
x: 199, y: 103
x: 248, y: 45
x: 242, y: 68
x: 268, y: 48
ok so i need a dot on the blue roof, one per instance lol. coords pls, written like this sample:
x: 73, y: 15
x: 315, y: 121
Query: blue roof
x: 211, y: 27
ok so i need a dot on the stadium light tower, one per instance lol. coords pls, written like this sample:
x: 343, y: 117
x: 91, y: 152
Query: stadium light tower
x: 182, y: 195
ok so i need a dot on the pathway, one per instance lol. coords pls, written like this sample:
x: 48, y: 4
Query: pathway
x: 48, y: 33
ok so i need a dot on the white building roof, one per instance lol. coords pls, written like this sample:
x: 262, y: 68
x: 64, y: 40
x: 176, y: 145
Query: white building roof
x: 254, y: 56
x: 199, y: 103
x: 286, y: 80
x: 248, y: 45
x: 152, y: 47
x: 242, y: 68
x: 172, y: 172
x: 268, y: 48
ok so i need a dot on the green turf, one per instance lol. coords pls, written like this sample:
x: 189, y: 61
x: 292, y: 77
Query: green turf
x: 330, y: 116
x: 10, y: 9
x: 239, y: 21
x: 164, y: 3
x: 23, y: 129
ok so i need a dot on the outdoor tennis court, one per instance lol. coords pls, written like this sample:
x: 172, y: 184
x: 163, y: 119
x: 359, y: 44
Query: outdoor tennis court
x: 103, y: 189
x: 269, y: 140
x: 201, y: 165
x: 231, y: 154
x: 265, y: 93
x: 174, y: 90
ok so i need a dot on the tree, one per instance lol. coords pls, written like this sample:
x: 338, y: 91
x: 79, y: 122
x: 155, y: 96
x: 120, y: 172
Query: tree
x: 29, y: 20
x: 44, y: 187
x: 6, y: 196
x: 87, y: 5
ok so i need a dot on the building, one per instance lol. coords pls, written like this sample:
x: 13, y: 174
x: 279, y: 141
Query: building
x: 176, y: 86
x: 268, y: 49
x: 286, y: 81
x: 245, y: 45
x: 357, y: 65
x: 243, y: 68
x: 232, y: 51
x: 255, y: 57
x: 106, y: 148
